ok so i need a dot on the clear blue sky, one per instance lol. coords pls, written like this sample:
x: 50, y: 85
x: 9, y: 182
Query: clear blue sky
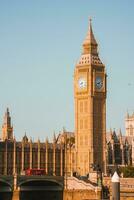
x: 40, y: 42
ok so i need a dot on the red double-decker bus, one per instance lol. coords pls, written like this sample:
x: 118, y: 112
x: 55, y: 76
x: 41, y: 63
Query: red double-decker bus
x: 30, y: 172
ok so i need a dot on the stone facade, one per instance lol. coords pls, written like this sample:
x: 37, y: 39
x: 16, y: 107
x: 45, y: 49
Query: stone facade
x: 90, y: 107
x: 18, y: 156
x: 129, y: 125
x: 58, y: 157
x: 119, y: 149
x: 78, y: 189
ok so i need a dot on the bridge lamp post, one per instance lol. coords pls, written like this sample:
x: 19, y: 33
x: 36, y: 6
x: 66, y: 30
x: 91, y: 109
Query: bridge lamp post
x: 98, y: 170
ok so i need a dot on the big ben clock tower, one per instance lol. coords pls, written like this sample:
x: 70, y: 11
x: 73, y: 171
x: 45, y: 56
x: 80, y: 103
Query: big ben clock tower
x: 90, y: 107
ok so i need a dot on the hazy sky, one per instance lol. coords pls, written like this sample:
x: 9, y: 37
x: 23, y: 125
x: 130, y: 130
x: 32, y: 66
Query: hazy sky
x: 40, y: 42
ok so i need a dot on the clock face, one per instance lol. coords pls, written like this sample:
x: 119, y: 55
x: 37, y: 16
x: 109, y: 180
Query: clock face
x: 82, y: 83
x: 99, y: 82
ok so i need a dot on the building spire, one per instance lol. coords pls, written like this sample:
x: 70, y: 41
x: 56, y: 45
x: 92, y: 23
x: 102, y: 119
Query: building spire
x: 90, y: 54
x: 127, y: 115
x: 90, y: 44
x: 54, y: 137
x: 7, y: 129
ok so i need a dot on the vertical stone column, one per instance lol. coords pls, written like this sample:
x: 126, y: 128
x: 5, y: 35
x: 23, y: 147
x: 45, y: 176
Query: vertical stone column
x: 65, y: 150
x: 104, y: 148
x: 5, y: 159
x: 76, y: 163
x: 65, y: 167
x: 122, y: 154
x: 71, y: 168
x: 129, y: 155
x: 16, y: 189
x: 38, y: 154
x: 31, y: 154
x: 132, y: 152
x: 61, y: 161
x: 54, y: 153
x: 14, y: 158
x: 15, y: 182
x: 46, y: 156
x: 69, y: 162
x: 91, y: 139
x: 113, y: 155
x: 22, y: 158
x: 16, y: 195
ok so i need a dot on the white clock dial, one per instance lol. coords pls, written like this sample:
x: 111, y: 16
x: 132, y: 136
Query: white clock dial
x: 99, y: 82
x: 82, y: 83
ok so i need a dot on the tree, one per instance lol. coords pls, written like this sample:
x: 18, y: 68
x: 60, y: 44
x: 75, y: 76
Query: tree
x: 128, y: 172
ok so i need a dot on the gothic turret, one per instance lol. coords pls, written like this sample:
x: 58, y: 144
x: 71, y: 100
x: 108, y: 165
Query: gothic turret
x: 54, y: 138
x: 7, y: 129
x: 25, y: 138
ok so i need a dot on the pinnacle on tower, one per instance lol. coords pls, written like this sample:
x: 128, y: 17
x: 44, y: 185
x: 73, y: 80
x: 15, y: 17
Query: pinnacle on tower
x: 25, y: 138
x: 90, y: 44
x: 7, y: 111
x: 120, y: 133
x: 7, y: 119
x: 90, y: 39
x: 47, y: 140
x: 127, y: 115
x: 54, y: 138
x: 30, y: 140
x: 7, y: 129
x: 38, y: 140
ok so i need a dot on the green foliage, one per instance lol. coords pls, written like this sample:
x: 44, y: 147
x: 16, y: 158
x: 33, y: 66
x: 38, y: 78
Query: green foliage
x: 128, y: 172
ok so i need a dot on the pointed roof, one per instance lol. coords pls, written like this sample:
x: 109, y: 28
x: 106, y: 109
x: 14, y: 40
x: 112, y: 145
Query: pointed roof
x: 115, y: 138
x: 30, y: 140
x: 127, y: 115
x: 90, y: 39
x: 38, y: 140
x: 7, y: 111
x: 120, y: 136
x: 54, y: 137
x: 115, y: 178
x: 46, y: 140
x: 90, y: 55
x: 7, y: 115
x: 25, y: 138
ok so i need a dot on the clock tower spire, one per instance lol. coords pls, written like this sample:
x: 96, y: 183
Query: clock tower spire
x: 90, y: 44
x: 7, y: 129
x: 90, y: 106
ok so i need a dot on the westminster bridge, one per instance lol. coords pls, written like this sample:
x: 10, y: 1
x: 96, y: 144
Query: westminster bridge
x: 31, y: 187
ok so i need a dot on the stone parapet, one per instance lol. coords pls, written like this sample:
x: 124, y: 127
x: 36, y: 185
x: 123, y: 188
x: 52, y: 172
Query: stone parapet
x: 81, y: 194
x: 79, y: 189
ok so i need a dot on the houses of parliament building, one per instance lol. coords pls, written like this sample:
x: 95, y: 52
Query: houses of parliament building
x: 89, y: 145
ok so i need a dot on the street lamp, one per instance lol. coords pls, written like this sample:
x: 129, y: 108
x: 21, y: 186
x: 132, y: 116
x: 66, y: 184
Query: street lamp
x: 98, y: 170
